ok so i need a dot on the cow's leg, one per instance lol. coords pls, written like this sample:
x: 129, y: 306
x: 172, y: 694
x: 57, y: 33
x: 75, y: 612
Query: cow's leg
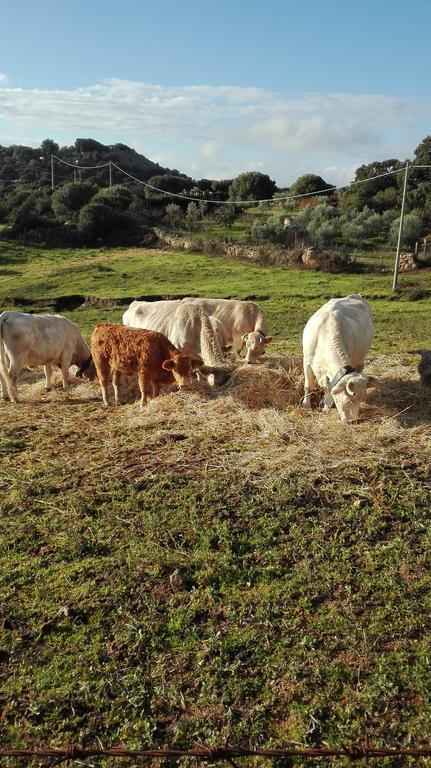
x: 141, y: 380
x: 48, y: 377
x: 14, y: 371
x: 309, y: 385
x: 103, y: 374
x: 116, y: 378
x: 155, y: 388
x: 237, y: 342
x: 4, y: 392
x: 65, y: 364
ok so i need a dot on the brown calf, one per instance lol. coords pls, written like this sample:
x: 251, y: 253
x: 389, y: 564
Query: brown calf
x: 134, y: 350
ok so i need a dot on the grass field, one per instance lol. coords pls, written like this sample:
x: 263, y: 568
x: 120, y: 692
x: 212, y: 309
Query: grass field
x: 302, y: 610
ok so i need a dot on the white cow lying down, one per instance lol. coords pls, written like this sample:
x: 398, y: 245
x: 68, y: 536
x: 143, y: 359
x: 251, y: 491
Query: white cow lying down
x: 28, y: 341
x: 335, y: 342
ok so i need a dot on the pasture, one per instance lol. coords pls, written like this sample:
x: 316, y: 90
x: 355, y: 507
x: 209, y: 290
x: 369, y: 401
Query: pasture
x: 221, y: 566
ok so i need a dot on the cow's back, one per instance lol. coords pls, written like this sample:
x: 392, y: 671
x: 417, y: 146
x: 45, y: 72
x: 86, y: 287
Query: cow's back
x: 38, y: 339
x: 341, y: 323
x: 131, y: 349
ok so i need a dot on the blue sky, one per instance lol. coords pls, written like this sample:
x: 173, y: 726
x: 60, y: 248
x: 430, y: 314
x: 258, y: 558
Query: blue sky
x: 215, y: 88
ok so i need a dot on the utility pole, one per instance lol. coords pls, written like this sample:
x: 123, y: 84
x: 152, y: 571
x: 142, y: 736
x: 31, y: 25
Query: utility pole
x: 52, y: 171
x: 400, y: 231
x: 110, y: 173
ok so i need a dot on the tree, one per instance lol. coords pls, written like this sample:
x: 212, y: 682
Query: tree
x: 226, y: 215
x: 412, y: 229
x: 252, y: 186
x: 68, y: 199
x: 174, y: 215
x: 308, y: 184
x: 193, y: 216
x: 48, y: 148
x: 169, y: 183
x: 370, y: 194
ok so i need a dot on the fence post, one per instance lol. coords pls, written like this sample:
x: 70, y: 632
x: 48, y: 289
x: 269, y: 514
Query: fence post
x: 400, y: 231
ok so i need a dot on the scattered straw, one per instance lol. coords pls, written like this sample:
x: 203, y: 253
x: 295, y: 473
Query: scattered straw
x: 252, y: 426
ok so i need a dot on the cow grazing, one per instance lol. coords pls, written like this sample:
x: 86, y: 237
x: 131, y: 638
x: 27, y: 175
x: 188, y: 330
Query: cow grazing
x: 28, y: 341
x: 335, y: 341
x: 151, y: 355
x: 189, y: 329
x: 243, y: 321
x: 424, y: 368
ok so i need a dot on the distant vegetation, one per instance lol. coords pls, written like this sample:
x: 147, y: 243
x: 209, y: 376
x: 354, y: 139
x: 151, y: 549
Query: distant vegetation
x: 83, y: 208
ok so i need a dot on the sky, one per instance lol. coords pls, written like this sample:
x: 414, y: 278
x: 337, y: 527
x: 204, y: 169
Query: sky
x: 215, y: 88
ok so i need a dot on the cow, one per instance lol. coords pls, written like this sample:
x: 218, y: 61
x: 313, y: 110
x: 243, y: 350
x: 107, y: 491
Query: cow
x: 189, y: 329
x: 424, y: 368
x: 128, y: 351
x: 27, y: 341
x: 335, y: 342
x: 243, y: 321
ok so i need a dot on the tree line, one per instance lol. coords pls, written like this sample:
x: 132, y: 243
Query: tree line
x: 83, y: 207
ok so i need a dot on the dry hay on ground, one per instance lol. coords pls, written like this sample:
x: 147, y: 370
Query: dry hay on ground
x: 253, y: 426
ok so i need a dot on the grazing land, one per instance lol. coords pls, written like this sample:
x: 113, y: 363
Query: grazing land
x: 221, y: 566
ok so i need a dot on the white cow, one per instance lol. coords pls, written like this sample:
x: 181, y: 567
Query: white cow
x: 188, y: 328
x: 243, y: 321
x: 28, y: 341
x: 335, y: 342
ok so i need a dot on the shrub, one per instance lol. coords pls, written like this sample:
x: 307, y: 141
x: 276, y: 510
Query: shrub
x: 118, y: 197
x: 174, y: 215
x: 96, y: 219
x: 68, y: 199
x: 412, y: 229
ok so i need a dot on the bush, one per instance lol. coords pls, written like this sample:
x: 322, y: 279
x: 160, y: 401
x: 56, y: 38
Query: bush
x: 68, y: 199
x: 118, y: 197
x: 96, y: 219
x: 269, y: 231
x: 174, y: 215
x: 412, y: 229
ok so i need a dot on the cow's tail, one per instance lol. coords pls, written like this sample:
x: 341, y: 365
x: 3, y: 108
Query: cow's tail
x: 4, y: 372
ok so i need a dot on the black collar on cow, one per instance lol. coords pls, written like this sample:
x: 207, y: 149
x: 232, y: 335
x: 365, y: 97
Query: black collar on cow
x: 340, y: 375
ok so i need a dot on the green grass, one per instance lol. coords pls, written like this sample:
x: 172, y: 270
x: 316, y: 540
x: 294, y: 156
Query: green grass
x: 305, y: 611
x: 289, y: 296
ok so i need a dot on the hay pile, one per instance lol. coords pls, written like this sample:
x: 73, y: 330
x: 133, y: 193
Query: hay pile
x: 252, y: 425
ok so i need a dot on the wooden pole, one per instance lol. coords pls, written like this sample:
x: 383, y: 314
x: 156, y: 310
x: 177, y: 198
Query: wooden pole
x: 110, y: 173
x: 400, y: 232
x: 52, y: 171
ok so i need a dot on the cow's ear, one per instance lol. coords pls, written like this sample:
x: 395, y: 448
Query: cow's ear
x: 268, y: 339
x: 168, y: 364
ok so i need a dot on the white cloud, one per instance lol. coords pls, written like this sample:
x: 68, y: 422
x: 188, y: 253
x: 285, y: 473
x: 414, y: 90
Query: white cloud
x: 221, y: 131
x: 3, y: 79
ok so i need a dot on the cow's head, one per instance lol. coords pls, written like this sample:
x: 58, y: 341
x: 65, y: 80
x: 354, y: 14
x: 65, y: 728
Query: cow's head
x: 348, y: 395
x: 216, y: 376
x: 181, y: 367
x: 255, y: 342
x: 424, y: 368
x: 87, y: 369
